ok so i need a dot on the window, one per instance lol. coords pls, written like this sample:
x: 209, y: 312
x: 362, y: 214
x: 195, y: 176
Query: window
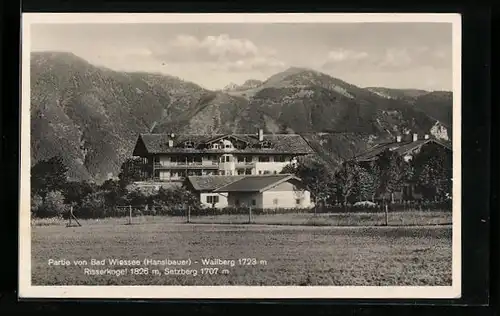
x: 297, y: 201
x: 188, y: 144
x: 241, y: 171
x: 266, y: 144
x: 279, y: 159
x: 264, y: 159
x: 215, y: 146
x: 275, y: 172
x: 241, y: 158
x: 228, y: 146
x: 260, y: 171
x: 248, y: 171
x: 229, y: 173
x: 254, y: 202
x: 212, y: 199
x: 267, y: 172
x: 275, y: 201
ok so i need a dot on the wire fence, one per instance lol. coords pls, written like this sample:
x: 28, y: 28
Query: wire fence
x: 395, y: 214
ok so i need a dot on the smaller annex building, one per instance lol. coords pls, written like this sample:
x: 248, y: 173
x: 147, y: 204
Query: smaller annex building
x: 258, y: 191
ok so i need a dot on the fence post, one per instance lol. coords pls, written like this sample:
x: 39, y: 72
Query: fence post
x: 386, y: 214
x: 189, y: 214
x: 70, y: 214
x: 250, y: 215
x: 130, y: 214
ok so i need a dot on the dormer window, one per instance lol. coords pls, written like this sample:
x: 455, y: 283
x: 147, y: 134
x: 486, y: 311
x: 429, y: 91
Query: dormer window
x: 215, y: 146
x: 188, y: 144
x: 266, y: 144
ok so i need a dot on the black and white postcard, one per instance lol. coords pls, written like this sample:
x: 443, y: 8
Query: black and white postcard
x: 240, y: 156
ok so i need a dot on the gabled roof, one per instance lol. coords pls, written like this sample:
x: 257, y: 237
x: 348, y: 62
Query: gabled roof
x: 238, y: 137
x: 256, y: 183
x: 400, y: 148
x: 210, y: 183
x: 280, y: 143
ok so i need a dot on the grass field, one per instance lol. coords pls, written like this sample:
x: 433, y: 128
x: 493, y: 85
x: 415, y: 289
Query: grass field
x: 416, y: 218
x: 286, y: 255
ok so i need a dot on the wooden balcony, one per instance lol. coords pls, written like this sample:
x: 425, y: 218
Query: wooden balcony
x: 187, y: 165
x: 243, y: 164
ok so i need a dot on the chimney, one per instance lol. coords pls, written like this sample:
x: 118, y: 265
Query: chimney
x: 415, y: 137
x: 398, y: 139
x: 261, y: 135
x: 426, y: 136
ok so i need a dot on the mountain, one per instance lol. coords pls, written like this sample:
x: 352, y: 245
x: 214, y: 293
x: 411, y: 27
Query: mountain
x: 92, y: 115
x: 402, y: 94
x: 230, y: 87
x: 338, y: 119
x: 436, y: 104
x: 249, y: 84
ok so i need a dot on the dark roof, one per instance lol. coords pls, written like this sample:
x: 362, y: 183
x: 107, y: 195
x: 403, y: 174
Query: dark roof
x: 256, y: 183
x: 280, y: 143
x: 210, y: 183
x: 400, y: 148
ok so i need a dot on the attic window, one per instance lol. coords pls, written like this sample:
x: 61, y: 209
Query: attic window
x: 188, y: 144
x: 266, y: 144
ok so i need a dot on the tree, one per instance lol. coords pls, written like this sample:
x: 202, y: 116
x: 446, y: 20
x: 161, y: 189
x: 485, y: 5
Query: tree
x: 288, y: 169
x: 76, y: 191
x: 52, y: 206
x: 316, y: 176
x: 394, y: 172
x: 347, y: 179
x: 131, y: 170
x: 113, y: 192
x: 137, y: 197
x: 433, y: 172
x: 48, y: 175
x: 368, y: 183
x: 175, y: 198
x: 36, y: 204
x: 94, y: 205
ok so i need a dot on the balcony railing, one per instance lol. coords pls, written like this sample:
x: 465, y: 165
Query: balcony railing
x: 245, y: 163
x: 196, y: 164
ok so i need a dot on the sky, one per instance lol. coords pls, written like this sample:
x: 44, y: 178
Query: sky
x: 392, y: 55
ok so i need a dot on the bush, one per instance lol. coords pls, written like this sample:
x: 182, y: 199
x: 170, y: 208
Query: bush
x: 137, y: 197
x: 93, y: 206
x: 53, y: 206
x: 76, y: 191
x: 36, y: 204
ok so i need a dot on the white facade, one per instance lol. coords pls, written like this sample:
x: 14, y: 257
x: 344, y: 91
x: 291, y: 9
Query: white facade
x: 217, y: 200
x: 284, y: 195
x: 175, y: 167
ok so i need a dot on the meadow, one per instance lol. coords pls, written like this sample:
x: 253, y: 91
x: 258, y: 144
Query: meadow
x: 284, y: 254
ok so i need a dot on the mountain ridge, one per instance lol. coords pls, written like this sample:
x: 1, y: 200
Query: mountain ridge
x: 92, y: 115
